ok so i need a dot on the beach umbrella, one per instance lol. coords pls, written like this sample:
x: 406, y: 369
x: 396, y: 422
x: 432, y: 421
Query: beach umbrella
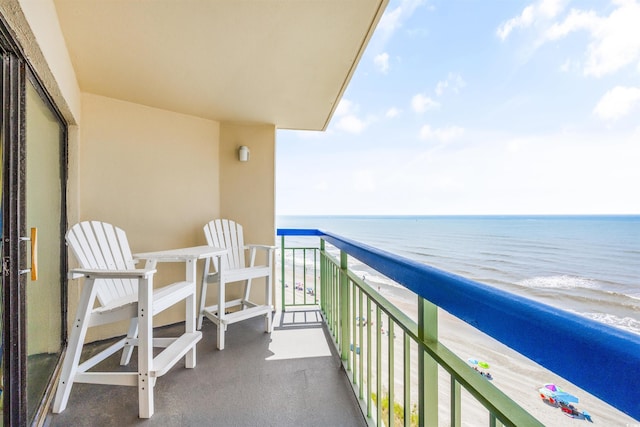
x: 552, y: 387
x: 565, y: 397
x: 552, y: 390
x: 484, y: 365
x: 472, y: 361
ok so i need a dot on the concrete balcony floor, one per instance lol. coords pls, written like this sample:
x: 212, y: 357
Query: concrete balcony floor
x: 292, y: 377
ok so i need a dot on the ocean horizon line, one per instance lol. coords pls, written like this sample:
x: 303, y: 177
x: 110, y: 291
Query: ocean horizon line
x: 474, y: 216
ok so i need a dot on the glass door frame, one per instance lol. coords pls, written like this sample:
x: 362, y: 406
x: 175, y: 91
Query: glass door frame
x: 14, y: 73
x: 13, y: 316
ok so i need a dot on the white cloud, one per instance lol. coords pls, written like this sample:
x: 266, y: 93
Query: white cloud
x: 617, y: 102
x: 347, y: 119
x: 382, y: 62
x: 616, y: 42
x: 351, y: 124
x: 393, y: 19
x: 524, y: 20
x: 454, y: 81
x: 542, y: 10
x: 392, y: 112
x: 445, y: 134
x: 421, y: 103
x: 614, y: 39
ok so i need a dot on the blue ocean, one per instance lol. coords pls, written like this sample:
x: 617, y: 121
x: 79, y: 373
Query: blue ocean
x: 589, y: 265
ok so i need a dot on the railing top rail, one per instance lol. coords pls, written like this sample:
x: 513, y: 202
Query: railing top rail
x: 298, y: 232
x: 599, y: 358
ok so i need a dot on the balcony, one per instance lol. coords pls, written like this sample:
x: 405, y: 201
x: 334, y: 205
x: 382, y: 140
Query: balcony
x: 340, y: 352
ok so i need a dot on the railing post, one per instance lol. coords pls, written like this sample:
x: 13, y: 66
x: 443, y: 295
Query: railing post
x: 344, y: 307
x: 323, y: 278
x: 282, y: 289
x: 427, y: 367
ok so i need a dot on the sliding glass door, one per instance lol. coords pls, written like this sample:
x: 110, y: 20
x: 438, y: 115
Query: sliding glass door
x: 32, y: 215
x: 44, y: 208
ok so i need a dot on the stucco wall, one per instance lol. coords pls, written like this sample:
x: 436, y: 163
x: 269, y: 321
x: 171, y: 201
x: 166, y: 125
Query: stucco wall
x: 247, y: 189
x: 151, y: 172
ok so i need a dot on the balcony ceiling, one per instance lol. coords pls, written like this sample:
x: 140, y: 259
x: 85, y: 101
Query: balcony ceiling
x: 283, y: 62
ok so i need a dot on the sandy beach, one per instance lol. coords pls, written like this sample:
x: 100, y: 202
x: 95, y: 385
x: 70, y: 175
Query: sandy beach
x: 515, y: 375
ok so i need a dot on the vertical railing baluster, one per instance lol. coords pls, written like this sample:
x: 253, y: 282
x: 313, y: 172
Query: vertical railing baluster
x: 456, y: 408
x: 378, y: 366
x: 352, y: 336
x: 304, y: 275
x: 293, y: 279
x: 407, y: 380
x: 315, y: 276
x: 427, y: 367
x: 391, y: 371
x: 282, y: 278
x: 338, y: 309
x: 369, y: 351
x: 361, y: 343
x: 344, y: 307
x: 323, y: 277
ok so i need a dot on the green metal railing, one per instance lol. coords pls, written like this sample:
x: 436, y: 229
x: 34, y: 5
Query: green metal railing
x: 300, y: 282
x: 392, y: 361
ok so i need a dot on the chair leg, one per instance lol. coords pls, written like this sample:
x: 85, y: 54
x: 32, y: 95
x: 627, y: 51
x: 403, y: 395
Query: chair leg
x: 127, y: 351
x: 222, y: 306
x: 221, y: 330
x: 145, y: 349
x: 203, y: 293
x: 74, y: 347
x: 267, y: 302
x: 268, y: 323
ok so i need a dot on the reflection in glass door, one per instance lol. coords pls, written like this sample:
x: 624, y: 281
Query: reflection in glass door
x: 44, y: 207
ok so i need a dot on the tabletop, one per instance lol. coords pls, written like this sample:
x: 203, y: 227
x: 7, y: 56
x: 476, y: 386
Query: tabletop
x: 182, y: 254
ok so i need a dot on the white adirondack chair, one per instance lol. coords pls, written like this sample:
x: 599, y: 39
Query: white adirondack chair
x: 111, y: 292
x: 224, y: 233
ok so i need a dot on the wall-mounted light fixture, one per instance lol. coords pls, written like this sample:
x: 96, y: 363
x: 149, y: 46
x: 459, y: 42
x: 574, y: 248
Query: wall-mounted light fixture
x: 243, y: 153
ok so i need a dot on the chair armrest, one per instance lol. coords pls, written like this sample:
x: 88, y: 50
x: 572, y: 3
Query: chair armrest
x: 252, y: 251
x: 265, y: 247
x: 139, y: 273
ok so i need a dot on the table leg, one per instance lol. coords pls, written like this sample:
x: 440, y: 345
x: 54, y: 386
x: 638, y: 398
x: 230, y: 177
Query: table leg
x: 190, y: 311
x: 222, y: 326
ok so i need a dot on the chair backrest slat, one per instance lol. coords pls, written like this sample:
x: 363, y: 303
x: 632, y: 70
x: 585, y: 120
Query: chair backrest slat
x: 102, y: 246
x: 224, y: 233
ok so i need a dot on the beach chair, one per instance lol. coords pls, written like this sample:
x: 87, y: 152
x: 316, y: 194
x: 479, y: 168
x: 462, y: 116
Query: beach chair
x: 111, y: 292
x: 232, y: 269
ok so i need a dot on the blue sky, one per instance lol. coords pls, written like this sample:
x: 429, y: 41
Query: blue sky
x: 480, y: 107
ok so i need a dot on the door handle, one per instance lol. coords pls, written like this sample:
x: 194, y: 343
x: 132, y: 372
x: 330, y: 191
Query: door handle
x: 34, y: 254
